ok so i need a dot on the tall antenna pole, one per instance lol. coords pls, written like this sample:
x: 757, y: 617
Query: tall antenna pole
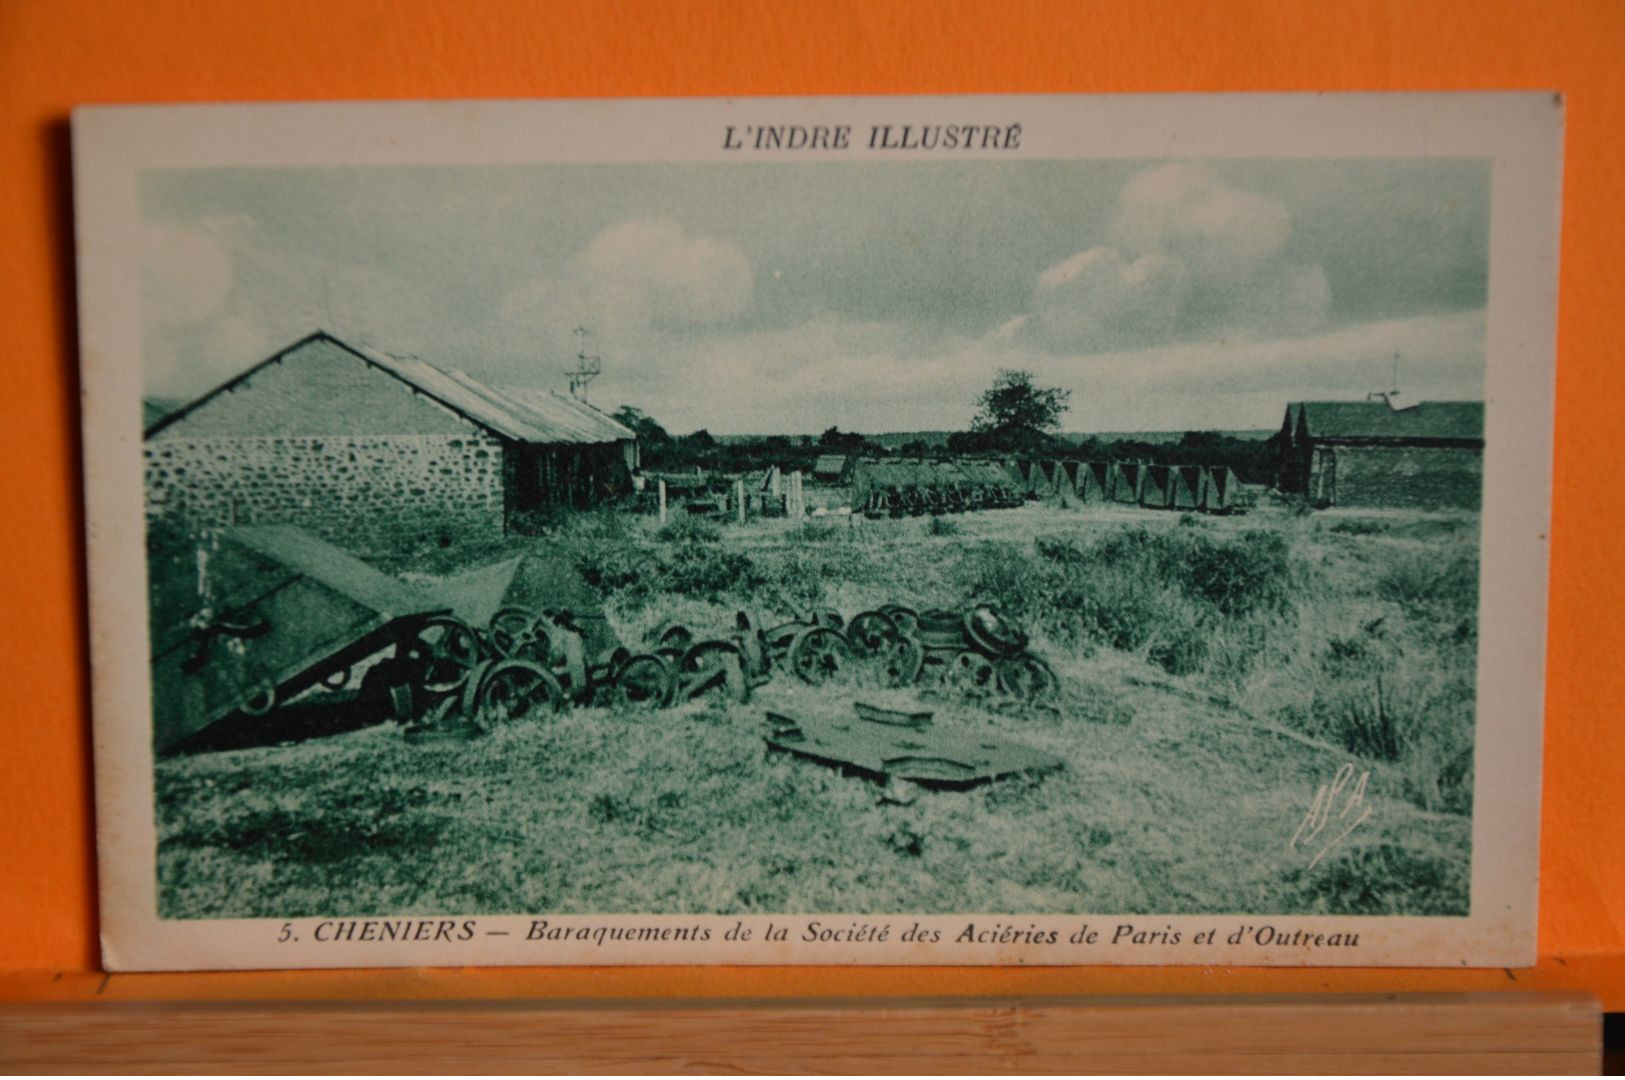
x: 1395, y: 383
x: 587, y: 367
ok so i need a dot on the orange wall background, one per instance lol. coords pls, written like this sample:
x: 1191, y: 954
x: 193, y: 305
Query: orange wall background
x: 55, y: 54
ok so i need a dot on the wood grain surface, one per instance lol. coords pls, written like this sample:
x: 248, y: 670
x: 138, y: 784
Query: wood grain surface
x: 1476, y: 1033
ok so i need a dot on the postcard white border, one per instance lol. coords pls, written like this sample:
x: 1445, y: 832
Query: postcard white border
x: 1521, y: 133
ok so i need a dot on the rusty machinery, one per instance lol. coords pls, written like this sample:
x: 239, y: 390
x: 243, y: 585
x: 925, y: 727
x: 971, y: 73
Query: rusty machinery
x: 264, y: 618
x: 910, y: 489
x: 978, y: 651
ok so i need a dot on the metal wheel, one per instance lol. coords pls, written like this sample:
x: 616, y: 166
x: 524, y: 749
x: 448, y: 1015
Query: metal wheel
x: 713, y: 667
x: 676, y: 637
x: 941, y: 630
x: 509, y: 691
x: 1027, y: 677
x: 819, y: 655
x: 444, y: 649
x: 992, y: 633
x: 971, y: 672
x: 645, y: 681
x: 906, y: 619
x: 894, y: 658
x: 869, y: 632
x: 826, y: 617
x: 899, y: 663
x: 261, y: 700
x: 519, y: 633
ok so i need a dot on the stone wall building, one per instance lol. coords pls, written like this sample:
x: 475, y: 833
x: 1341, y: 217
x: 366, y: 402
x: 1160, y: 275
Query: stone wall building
x: 1428, y: 456
x: 377, y: 451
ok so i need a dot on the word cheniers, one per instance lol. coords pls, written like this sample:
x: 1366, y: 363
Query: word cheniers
x: 767, y: 137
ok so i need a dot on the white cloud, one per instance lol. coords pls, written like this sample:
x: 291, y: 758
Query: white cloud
x: 1101, y: 297
x: 1188, y: 255
x: 186, y: 270
x: 633, y: 280
x: 1185, y: 210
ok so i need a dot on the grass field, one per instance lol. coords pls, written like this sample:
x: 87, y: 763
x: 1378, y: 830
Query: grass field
x: 1214, y: 672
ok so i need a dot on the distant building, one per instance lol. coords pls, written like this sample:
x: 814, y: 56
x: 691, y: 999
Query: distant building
x: 1374, y: 453
x: 376, y: 451
x: 834, y: 469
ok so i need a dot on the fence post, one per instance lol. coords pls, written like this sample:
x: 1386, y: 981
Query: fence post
x: 739, y: 500
x: 662, y: 484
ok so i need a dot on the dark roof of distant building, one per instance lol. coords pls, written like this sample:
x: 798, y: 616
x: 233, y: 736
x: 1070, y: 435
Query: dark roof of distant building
x: 523, y: 415
x: 830, y: 463
x: 1427, y: 421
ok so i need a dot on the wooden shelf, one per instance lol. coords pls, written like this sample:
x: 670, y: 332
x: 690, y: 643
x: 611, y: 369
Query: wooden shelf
x: 1510, y: 1031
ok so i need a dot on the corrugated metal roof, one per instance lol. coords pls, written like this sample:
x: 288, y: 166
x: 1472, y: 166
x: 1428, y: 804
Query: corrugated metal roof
x: 533, y: 416
x: 1427, y: 421
x: 530, y: 416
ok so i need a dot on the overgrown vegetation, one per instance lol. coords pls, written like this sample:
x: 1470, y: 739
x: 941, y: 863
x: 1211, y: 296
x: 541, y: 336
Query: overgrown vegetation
x: 1188, y: 651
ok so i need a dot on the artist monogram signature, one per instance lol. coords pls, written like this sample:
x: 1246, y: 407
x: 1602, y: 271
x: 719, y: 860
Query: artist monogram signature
x: 1319, y: 817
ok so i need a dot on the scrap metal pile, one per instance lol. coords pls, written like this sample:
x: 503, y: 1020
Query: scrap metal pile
x: 978, y: 650
x: 911, y: 488
x: 271, y: 617
x: 530, y: 660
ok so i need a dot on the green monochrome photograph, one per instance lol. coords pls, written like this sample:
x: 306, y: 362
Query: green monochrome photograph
x: 882, y: 530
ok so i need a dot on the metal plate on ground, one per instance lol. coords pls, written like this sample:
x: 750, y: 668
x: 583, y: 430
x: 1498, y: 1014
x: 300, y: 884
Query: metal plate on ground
x: 925, y: 754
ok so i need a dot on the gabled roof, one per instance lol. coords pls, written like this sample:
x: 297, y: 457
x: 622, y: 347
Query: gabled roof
x: 154, y: 409
x: 523, y: 415
x: 830, y: 463
x: 1429, y: 421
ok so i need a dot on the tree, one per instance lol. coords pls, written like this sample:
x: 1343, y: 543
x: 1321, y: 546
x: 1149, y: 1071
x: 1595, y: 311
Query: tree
x: 1014, y: 403
x: 836, y: 439
x: 648, y: 431
x: 1014, y: 416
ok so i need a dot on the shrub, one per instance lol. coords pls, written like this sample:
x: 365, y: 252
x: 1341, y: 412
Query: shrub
x: 708, y: 571
x: 1241, y: 576
x: 1436, y: 584
x: 1358, y: 527
x: 1386, y: 879
x: 941, y: 526
x: 1407, y: 701
x: 689, y: 528
x: 823, y: 531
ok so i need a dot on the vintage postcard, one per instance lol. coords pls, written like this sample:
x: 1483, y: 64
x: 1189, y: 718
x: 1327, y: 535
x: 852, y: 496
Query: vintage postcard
x: 1001, y: 530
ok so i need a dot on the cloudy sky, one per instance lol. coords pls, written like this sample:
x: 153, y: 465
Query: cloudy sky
x: 879, y: 296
